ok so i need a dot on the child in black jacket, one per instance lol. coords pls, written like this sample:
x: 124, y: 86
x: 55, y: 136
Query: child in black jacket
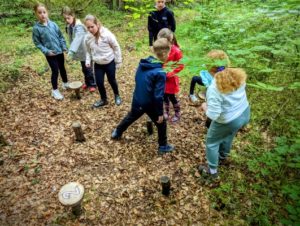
x: 162, y: 17
x: 148, y: 95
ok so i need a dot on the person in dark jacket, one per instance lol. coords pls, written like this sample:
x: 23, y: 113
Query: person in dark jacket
x: 162, y: 17
x: 148, y: 95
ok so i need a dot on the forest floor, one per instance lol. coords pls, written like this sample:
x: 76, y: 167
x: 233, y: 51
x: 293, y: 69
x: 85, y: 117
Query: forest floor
x: 121, y: 178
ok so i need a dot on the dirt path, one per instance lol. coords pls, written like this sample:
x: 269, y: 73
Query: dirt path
x: 121, y: 178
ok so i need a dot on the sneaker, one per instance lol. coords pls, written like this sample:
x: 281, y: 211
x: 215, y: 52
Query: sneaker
x: 193, y: 98
x: 223, y: 161
x: 165, y: 149
x: 100, y: 103
x: 57, y: 95
x: 202, y: 95
x: 175, y: 118
x: 66, y: 85
x: 166, y: 115
x: 212, y: 180
x: 115, y: 135
x: 84, y: 86
x: 92, y: 89
x: 118, y: 100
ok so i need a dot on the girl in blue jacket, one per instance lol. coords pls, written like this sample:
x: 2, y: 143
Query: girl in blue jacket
x: 48, y: 38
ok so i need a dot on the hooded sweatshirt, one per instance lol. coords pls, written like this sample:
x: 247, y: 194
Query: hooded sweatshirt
x: 48, y: 38
x: 76, y: 34
x: 150, y: 82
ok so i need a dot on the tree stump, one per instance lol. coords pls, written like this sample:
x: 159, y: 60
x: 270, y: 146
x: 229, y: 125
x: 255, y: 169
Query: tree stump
x: 76, y: 87
x: 78, y: 132
x: 166, y: 185
x: 71, y: 195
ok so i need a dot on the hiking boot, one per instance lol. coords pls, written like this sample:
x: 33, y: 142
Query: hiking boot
x: 66, y: 85
x: 57, y: 95
x: 165, y: 149
x: 118, y: 100
x: 92, y: 89
x: 212, y: 180
x: 100, y: 103
x: 115, y: 135
x: 193, y: 98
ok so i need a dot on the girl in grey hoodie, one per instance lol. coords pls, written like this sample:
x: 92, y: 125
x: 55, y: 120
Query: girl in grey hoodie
x: 76, y: 32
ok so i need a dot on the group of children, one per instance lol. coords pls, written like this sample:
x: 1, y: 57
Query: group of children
x: 99, y: 53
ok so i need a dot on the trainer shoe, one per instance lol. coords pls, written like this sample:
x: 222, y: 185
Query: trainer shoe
x: 84, y: 86
x: 100, y: 103
x: 118, y: 100
x: 92, y: 89
x: 165, y: 149
x: 57, y: 95
x: 66, y: 85
x: 212, y: 180
x: 115, y: 135
x: 193, y: 98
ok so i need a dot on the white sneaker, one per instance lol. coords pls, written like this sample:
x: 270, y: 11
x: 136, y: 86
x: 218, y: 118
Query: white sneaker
x: 193, y: 98
x: 57, y: 95
x: 66, y: 85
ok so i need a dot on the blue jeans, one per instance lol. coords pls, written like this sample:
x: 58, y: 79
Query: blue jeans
x: 220, y: 136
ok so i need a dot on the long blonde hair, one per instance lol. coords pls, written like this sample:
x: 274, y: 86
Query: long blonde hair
x: 230, y: 79
x: 95, y: 21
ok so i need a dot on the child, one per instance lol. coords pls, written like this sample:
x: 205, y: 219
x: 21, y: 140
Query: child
x: 77, y: 32
x: 228, y: 108
x: 206, y: 77
x: 172, y: 82
x: 103, y: 48
x: 48, y: 38
x: 148, y: 95
x: 162, y: 17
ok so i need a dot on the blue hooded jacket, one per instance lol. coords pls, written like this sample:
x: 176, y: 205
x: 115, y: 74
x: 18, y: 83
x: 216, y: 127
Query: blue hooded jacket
x: 150, y: 80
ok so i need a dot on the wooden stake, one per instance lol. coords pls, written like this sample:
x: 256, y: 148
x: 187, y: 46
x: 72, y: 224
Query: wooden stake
x: 166, y: 184
x: 78, y: 132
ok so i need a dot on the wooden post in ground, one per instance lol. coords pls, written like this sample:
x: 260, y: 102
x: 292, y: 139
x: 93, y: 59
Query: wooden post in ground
x: 78, y: 132
x: 3, y: 142
x: 71, y: 195
x: 166, y: 185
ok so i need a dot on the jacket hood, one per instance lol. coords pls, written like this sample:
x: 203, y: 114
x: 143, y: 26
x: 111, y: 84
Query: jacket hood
x: 150, y: 63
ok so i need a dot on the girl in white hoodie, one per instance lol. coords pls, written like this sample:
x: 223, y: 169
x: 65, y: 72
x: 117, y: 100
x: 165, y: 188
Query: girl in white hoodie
x: 76, y: 32
x: 104, y: 50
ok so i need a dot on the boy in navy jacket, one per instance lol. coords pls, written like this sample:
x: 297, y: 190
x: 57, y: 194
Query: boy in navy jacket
x: 148, y: 95
x: 162, y: 17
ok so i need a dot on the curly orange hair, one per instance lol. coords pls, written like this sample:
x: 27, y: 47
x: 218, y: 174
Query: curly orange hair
x: 218, y: 55
x: 230, y: 79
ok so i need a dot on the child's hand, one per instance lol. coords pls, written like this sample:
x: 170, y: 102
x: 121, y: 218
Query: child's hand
x: 204, y: 106
x: 118, y: 65
x: 160, y: 119
x: 88, y: 65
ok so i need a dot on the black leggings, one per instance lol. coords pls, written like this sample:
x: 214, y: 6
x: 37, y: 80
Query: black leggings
x: 57, y: 64
x: 110, y: 70
x: 195, y: 79
x: 170, y: 97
